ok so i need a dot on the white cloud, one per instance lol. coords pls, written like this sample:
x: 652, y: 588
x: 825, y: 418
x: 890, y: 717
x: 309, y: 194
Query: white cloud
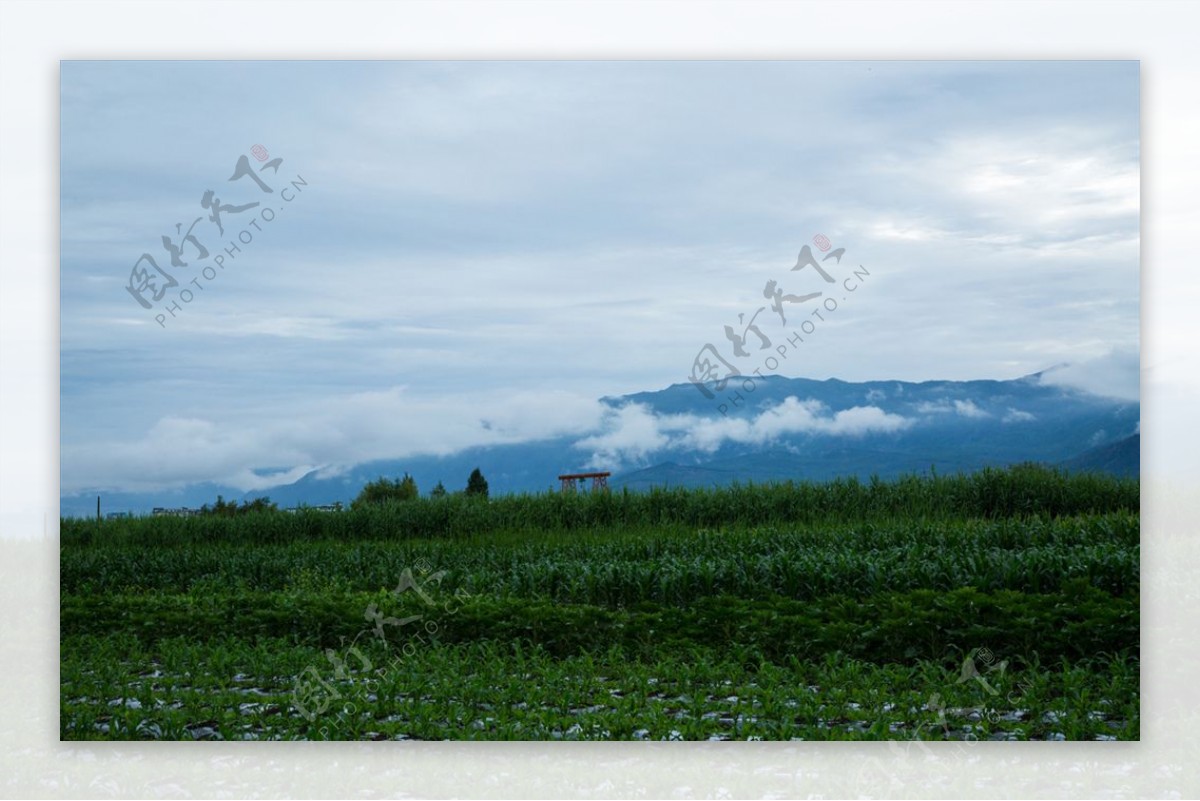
x: 1064, y: 183
x: 941, y: 406
x: 1018, y: 416
x: 963, y: 408
x: 967, y: 408
x: 328, y: 434
x: 1116, y: 374
x: 634, y: 432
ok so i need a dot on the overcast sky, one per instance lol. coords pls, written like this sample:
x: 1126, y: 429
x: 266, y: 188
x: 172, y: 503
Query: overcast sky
x: 476, y: 252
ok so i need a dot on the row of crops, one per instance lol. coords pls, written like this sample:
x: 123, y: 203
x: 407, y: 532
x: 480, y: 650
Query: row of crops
x: 1002, y: 604
x: 628, y: 567
x: 991, y: 494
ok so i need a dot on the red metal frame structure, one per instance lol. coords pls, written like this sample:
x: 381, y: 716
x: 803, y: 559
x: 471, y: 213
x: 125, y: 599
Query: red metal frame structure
x: 599, y: 481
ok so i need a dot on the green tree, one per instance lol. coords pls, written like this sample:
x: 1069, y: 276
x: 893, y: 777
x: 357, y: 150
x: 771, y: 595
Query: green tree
x: 258, y: 505
x: 385, y: 489
x: 477, y: 484
x: 408, y: 489
x: 224, y: 508
x: 221, y: 508
x: 439, y: 491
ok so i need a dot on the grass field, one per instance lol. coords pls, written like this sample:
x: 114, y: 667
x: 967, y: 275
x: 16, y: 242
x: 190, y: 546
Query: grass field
x: 1000, y: 605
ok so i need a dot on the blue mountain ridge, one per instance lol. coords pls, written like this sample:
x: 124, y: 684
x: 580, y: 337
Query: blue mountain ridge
x: 954, y: 426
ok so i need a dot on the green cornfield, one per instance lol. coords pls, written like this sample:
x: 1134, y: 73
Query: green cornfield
x: 996, y: 605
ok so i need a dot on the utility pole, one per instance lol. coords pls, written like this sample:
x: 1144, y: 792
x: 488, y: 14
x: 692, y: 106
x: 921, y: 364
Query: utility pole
x: 97, y: 509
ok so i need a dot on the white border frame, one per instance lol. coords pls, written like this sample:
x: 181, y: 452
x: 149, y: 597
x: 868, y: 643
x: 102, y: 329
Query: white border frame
x: 35, y: 36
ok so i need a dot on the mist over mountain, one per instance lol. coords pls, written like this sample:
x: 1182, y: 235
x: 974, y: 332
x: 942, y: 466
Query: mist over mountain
x: 763, y: 429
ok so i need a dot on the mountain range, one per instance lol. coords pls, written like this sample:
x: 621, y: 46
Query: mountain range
x: 782, y: 428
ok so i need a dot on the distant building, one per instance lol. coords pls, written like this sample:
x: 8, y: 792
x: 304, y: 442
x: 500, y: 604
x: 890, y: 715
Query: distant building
x: 329, y: 507
x: 182, y: 511
x: 599, y: 481
x: 117, y: 515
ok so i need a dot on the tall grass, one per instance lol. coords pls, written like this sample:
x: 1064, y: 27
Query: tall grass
x: 1020, y: 491
x: 1032, y: 555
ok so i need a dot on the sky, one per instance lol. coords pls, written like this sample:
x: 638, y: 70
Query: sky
x: 465, y: 253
